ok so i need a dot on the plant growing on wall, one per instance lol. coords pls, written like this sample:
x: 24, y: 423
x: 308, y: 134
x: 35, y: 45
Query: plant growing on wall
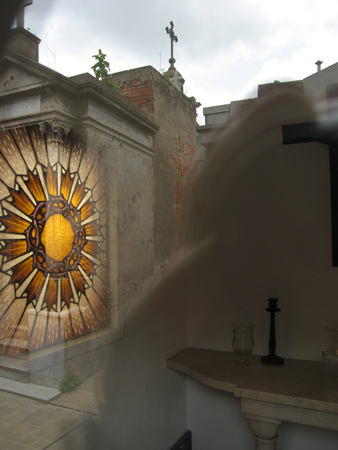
x: 101, y: 70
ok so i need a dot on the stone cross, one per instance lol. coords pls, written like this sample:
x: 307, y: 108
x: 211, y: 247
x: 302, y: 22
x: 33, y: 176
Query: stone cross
x: 173, y: 38
x: 20, y: 17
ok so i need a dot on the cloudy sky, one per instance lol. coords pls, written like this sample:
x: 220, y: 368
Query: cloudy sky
x: 224, y: 50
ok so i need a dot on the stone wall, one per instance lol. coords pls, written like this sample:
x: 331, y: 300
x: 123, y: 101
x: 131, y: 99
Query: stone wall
x: 174, y: 151
x: 110, y: 132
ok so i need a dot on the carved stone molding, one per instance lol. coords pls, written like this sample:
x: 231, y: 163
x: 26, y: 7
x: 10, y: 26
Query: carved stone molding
x: 54, y: 130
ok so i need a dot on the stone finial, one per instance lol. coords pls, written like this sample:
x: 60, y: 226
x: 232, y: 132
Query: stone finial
x: 173, y: 75
x: 173, y: 38
x: 177, y: 80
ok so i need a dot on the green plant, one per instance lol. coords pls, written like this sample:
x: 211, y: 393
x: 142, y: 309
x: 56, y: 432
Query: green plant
x: 70, y: 382
x: 101, y: 70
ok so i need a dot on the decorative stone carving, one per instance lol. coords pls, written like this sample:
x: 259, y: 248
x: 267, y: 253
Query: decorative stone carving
x: 54, y: 130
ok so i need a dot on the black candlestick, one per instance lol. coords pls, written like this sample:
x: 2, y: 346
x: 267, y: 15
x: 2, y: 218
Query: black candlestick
x: 272, y: 359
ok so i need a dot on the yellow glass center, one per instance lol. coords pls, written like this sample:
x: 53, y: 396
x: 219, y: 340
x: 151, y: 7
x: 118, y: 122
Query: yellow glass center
x: 57, y: 237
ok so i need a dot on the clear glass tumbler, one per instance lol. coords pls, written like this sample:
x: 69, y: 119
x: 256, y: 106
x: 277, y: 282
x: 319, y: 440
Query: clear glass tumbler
x: 243, y: 340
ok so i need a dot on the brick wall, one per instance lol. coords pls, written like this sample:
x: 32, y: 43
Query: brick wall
x: 140, y: 93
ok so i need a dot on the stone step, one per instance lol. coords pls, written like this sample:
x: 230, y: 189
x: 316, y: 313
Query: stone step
x: 41, y: 393
x: 14, y: 369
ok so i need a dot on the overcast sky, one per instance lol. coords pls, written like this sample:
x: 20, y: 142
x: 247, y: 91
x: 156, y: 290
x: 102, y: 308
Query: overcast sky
x: 225, y: 48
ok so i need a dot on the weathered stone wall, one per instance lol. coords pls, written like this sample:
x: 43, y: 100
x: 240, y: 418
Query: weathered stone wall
x: 174, y: 151
x: 135, y: 219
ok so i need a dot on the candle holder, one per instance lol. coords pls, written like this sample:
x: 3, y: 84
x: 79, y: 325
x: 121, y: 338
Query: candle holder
x: 272, y: 359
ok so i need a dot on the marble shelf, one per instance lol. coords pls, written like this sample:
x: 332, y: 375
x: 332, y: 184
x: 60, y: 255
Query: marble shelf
x: 295, y: 392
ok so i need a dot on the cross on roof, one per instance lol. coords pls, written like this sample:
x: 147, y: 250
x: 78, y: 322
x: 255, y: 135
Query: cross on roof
x: 173, y: 38
x: 20, y: 16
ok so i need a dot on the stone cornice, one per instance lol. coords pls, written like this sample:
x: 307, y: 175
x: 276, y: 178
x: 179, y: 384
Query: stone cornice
x: 76, y: 126
x: 28, y: 34
x: 30, y: 66
x: 77, y: 88
x: 94, y: 89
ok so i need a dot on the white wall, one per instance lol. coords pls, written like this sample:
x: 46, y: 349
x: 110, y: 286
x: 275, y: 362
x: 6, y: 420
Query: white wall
x: 216, y: 420
x: 267, y: 207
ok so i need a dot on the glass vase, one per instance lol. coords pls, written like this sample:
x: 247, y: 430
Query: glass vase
x: 243, y: 340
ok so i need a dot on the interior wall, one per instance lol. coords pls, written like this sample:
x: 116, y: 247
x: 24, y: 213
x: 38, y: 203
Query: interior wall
x: 206, y: 425
x: 277, y: 243
x: 266, y: 210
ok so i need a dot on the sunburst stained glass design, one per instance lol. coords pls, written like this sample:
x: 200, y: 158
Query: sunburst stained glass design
x: 53, y: 240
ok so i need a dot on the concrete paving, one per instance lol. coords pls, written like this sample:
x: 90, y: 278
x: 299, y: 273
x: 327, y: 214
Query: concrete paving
x: 55, y: 423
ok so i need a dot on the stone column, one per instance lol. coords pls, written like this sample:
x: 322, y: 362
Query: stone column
x: 265, y: 431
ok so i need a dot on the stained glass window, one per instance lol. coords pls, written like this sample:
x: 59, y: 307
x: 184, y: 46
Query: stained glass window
x: 52, y: 232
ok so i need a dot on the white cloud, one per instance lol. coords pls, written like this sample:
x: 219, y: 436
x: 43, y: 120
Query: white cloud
x: 224, y: 49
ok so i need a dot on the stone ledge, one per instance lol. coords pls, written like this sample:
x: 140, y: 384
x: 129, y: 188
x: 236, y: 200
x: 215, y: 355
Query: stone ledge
x: 41, y: 393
